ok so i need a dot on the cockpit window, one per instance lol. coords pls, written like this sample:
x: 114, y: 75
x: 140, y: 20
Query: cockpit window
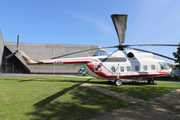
x: 162, y: 65
x: 168, y: 66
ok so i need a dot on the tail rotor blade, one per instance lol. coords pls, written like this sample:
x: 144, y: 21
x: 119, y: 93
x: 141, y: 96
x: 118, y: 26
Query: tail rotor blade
x: 17, y: 42
x: 9, y: 56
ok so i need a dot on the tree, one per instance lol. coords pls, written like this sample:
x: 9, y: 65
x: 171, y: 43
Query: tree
x: 177, y: 56
x: 173, y: 67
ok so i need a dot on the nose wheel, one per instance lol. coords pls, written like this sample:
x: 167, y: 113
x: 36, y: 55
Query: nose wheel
x: 118, y: 82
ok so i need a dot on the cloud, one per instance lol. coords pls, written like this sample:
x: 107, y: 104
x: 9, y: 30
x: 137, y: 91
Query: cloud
x: 156, y: 21
x: 96, y: 21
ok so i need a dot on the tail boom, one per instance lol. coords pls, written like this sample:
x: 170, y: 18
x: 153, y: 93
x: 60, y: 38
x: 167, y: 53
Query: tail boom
x: 60, y: 62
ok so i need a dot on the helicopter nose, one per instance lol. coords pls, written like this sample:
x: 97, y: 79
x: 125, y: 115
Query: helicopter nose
x: 169, y: 70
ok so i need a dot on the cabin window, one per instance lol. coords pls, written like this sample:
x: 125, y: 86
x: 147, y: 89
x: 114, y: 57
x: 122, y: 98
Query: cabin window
x: 136, y: 68
x: 152, y: 67
x: 145, y: 67
x: 113, y: 69
x: 128, y: 68
x: 162, y: 65
x: 122, y: 69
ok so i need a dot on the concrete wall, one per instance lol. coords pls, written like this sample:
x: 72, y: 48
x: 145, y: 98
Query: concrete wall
x: 1, y: 48
x: 45, y: 51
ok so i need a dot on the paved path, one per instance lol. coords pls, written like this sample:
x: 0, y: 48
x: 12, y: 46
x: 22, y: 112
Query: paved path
x: 164, y: 107
x: 114, y: 94
x: 149, y: 110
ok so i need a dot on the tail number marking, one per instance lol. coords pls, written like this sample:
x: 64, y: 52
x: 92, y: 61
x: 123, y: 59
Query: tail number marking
x: 57, y: 62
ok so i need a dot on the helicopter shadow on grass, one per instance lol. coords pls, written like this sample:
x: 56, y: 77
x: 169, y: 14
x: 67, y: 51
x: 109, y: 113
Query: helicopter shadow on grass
x: 87, y: 99
x: 55, y: 96
x: 90, y: 80
x: 64, y: 91
x: 124, y: 82
x: 47, y: 109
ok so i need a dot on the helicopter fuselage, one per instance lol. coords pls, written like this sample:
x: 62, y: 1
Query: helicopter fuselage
x: 117, y: 66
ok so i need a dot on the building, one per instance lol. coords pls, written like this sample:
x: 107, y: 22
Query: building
x: 16, y: 63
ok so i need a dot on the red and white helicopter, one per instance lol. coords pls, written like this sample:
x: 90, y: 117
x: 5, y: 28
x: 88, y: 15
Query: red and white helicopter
x: 116, y: 65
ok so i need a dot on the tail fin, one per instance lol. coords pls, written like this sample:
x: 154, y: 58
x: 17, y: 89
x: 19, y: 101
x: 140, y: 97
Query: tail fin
x: 28, y: 60
x: 25, y: 57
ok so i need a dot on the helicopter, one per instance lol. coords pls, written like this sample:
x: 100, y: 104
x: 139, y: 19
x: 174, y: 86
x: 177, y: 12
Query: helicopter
x: 116, y: 65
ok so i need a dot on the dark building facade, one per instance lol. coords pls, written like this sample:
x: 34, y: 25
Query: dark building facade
x: 16, y: 63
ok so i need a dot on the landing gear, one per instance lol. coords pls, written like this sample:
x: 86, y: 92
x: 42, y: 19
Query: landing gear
x: 118, y: 82
x: 150, y: 81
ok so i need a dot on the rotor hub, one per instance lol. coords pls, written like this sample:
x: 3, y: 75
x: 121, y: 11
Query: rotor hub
x: 121, y: 47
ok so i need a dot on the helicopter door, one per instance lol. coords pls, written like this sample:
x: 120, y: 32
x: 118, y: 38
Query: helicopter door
x: 115, y: 70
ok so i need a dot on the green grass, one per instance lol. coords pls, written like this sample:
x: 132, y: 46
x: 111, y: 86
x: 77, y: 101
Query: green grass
x: 55, y: 98
x: 142, y: 90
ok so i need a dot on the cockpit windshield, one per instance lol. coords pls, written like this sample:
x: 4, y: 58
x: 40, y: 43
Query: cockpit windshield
x: 162, y: 65
x: 168, y: 66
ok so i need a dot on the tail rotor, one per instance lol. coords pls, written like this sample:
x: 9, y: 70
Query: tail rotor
x: 14, y: 53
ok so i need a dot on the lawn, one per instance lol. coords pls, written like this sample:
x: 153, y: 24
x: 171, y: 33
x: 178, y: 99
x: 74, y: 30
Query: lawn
x: 63, y: 98
x: 57, y: 98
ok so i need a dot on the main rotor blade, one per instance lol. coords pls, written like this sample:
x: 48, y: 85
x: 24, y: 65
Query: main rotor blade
x: 81, y: 51
x: 155, y: 45
x: 120, y: 21
x: 154, y: 53
x: 17, y: 42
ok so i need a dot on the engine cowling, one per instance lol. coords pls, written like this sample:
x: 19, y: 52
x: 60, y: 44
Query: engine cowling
x: 134, y: 54
x: 130, y: 55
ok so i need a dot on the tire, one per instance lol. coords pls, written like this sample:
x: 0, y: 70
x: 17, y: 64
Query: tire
x: 118, y: 82
x: 151, y: 82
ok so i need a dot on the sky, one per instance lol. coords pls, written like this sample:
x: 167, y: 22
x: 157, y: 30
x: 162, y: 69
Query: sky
x: 88, y: 22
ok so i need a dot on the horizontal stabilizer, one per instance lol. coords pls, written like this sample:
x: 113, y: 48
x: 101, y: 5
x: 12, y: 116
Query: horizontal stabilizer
x: 38, y: 61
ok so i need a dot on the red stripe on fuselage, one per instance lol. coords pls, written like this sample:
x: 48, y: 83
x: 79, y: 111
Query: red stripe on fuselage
x: 91, y: 66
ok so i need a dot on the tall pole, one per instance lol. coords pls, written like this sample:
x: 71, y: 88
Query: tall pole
x: 6, y: 66
x: 54, y: 56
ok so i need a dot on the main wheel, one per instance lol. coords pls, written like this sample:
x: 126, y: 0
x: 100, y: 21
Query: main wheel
x: 118, y: 82
x: 150, y: 81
